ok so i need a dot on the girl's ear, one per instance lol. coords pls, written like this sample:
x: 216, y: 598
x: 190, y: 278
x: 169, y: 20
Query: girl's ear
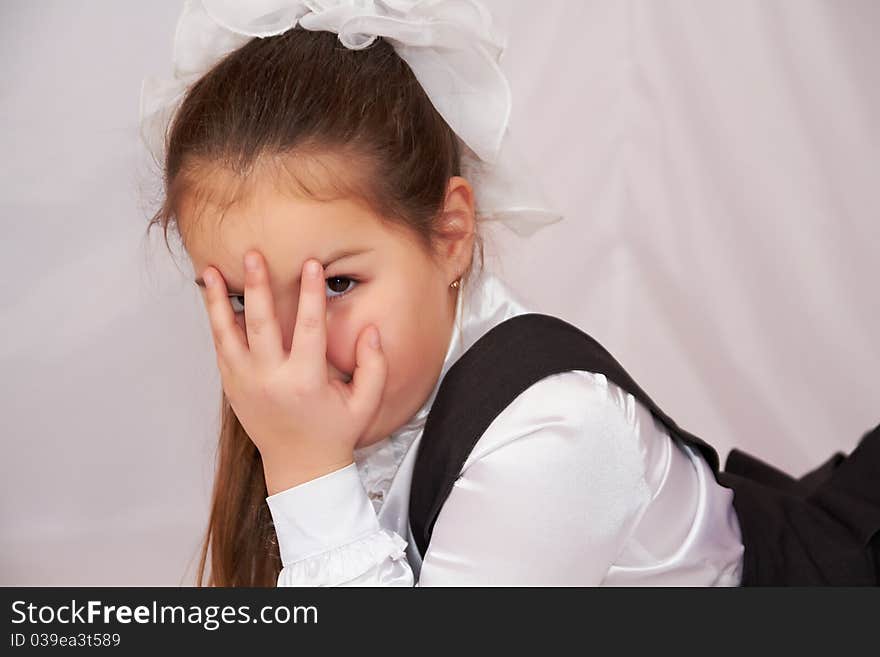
x: 457, y: 227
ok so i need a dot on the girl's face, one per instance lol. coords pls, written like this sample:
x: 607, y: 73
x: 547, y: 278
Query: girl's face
x: 374, y: 274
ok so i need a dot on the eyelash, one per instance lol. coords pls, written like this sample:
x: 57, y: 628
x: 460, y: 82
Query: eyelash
x: 330, y: 299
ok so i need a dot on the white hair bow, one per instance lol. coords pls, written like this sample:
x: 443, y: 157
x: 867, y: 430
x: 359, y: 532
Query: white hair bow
x: 450, y: 45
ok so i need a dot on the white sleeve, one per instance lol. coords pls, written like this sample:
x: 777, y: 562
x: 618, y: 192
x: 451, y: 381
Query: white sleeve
x: 550, y: 493
x: 329, y: 535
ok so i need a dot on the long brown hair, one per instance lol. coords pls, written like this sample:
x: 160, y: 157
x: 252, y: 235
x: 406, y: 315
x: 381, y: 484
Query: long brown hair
x: 303, y: 95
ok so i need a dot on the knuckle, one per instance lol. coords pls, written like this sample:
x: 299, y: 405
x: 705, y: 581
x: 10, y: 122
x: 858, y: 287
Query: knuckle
x: 257, y: 324
x: 218, y: 337
x: 310, y: 322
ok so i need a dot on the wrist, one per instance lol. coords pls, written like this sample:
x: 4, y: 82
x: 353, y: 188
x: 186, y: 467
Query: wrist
x: 283, y: 471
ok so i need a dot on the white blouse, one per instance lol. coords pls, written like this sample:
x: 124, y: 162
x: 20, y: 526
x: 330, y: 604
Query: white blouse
x: 573, y: 484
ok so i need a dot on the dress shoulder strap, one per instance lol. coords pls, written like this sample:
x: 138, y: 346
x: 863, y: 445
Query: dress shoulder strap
x: 503, y: 363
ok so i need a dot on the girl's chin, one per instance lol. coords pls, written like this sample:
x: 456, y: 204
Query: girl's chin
x: 371, y: 436
x: 368, y: 442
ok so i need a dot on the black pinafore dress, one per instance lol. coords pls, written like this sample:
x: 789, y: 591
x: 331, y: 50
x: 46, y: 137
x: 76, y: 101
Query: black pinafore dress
x: 820, y: 529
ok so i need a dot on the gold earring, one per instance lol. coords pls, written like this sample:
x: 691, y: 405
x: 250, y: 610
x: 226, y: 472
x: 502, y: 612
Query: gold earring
x: 455, y: 284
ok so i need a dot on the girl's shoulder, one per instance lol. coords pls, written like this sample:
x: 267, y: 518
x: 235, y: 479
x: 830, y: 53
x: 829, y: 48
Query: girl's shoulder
x: 574, y: 416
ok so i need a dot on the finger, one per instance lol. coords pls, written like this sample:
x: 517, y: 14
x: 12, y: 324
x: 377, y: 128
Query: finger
x: 230, y: 341
x: 308, y: 350
x: 368, y: 380
x: 263, y: 330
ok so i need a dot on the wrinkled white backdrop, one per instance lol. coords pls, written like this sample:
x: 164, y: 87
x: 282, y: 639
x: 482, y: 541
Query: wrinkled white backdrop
x: 718, y: 164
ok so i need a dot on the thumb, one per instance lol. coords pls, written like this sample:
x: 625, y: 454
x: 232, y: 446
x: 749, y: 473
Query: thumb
x: 368, y: 378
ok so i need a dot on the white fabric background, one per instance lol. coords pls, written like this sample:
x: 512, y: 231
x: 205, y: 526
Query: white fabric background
x: 718, y: 163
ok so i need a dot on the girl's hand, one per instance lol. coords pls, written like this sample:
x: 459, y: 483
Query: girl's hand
x: 303, y: 423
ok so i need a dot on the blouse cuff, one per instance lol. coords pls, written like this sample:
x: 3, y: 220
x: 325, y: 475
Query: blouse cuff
x: 322, y: 514
x: 350, y: 563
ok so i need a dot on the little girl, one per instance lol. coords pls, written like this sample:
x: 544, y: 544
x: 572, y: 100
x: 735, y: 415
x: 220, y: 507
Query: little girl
x: 328, y: 166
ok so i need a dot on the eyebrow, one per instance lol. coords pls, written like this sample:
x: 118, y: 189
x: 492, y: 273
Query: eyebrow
x: 339, y: 255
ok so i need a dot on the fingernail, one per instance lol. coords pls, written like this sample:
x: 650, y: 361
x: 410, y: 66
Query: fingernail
x: 313, y: 268
x: 374, y: 338
x: 209, y: 279
x: 251, y: 262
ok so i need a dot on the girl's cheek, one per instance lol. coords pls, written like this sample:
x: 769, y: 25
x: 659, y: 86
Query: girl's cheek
x: 337, y: 326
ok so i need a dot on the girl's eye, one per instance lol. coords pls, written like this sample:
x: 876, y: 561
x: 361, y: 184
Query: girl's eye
x: 341, y: 285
